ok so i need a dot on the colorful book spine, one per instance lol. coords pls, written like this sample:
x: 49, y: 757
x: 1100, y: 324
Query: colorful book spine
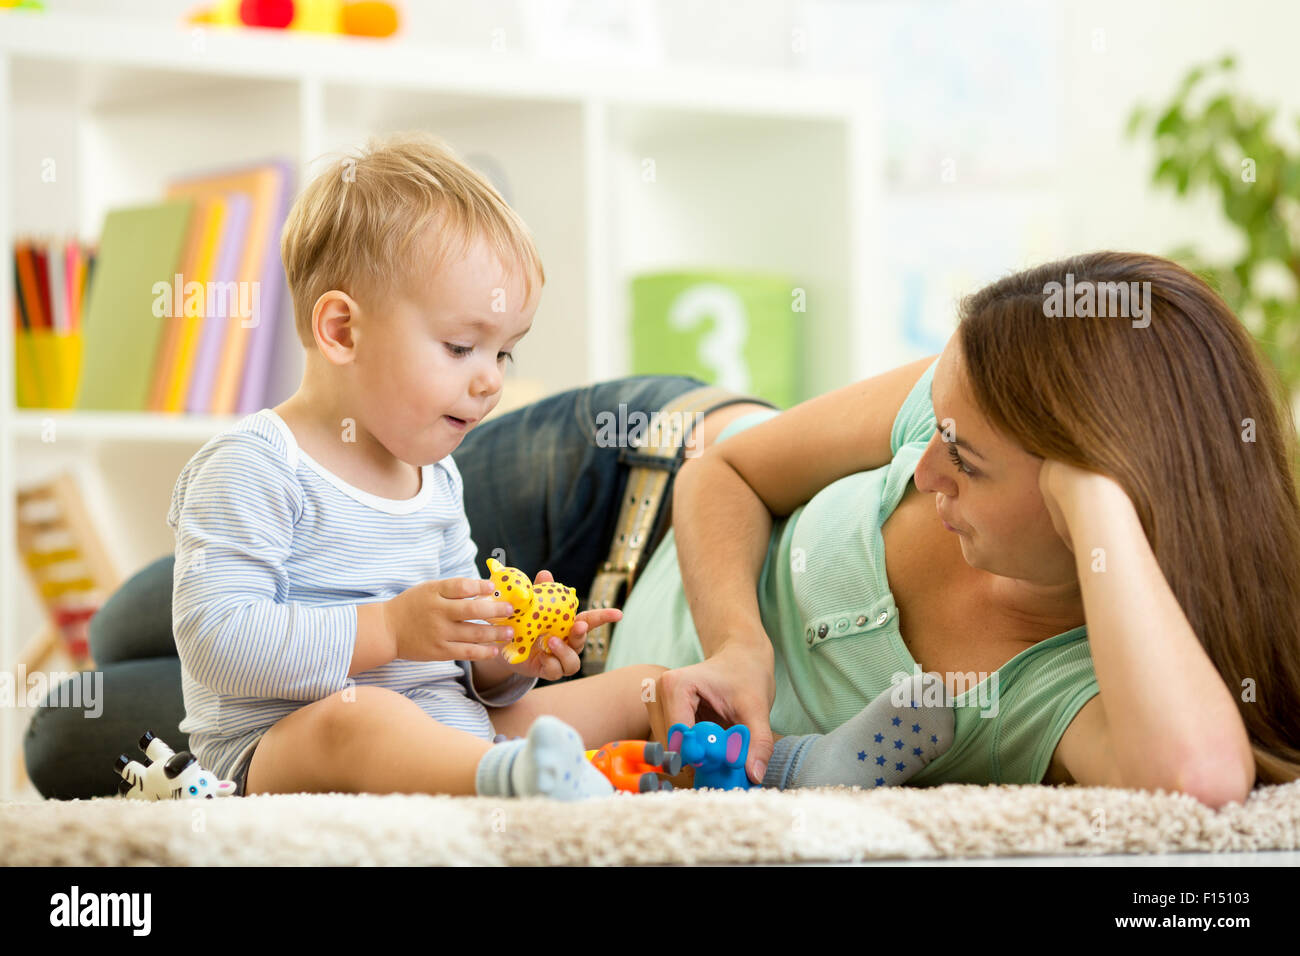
x: 190, y: 306
x: 164, y: 366
x: 257, y: 367
x: 212, y: 336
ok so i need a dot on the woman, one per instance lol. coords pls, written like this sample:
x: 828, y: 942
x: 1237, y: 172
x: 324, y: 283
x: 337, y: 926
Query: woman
x: 1130, y: 477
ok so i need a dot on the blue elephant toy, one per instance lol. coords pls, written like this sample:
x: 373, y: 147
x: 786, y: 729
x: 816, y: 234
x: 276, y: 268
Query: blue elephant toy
x: 717, y: 755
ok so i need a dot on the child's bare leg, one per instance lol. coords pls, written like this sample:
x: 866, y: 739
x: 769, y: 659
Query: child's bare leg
x: 603, y: 707
x: 371, y: 743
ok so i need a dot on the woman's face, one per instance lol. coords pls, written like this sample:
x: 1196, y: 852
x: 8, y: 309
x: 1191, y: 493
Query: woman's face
x: 985, y: 486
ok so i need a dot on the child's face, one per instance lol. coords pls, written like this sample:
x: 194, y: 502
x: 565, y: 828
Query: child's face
x: 440, y: 354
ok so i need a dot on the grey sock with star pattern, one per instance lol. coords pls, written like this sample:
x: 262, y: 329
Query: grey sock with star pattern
x: 885, y: 745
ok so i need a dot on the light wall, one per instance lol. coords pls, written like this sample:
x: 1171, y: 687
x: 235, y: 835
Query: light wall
x: 1078, y: 184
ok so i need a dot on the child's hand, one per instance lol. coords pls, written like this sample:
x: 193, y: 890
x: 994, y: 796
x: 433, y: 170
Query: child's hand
x: 563, y: 658
x: 431, y: 621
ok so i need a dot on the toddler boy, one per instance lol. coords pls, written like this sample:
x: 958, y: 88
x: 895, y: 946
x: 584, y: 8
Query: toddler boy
x: 327, y: 608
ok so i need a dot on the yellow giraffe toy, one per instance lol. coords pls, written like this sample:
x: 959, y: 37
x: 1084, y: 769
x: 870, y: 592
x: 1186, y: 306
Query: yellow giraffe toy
x: 540, y: 610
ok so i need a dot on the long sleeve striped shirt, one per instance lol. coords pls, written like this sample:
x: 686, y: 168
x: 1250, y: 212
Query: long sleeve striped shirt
x: 273, y: 555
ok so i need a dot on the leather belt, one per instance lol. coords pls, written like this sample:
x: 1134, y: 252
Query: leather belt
x: 643, y: 515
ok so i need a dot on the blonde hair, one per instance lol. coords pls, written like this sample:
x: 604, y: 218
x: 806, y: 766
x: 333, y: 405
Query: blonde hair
x: 360, y: 226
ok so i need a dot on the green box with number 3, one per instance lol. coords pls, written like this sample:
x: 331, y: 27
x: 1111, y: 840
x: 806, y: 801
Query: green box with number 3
x: 740, y: 330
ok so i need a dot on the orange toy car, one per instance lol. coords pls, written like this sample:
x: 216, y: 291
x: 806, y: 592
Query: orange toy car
x: 634, y: 765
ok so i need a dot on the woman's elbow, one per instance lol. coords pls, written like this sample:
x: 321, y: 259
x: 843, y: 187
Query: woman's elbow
x: 1213, y: 782
x: 1219, y: 770
x: 1216, y: 784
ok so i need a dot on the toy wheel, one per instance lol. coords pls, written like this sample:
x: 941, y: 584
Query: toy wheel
x: 653, y: 753
x: 672, y: 763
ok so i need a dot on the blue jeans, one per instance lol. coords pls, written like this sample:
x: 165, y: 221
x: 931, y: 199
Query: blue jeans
x: 538, y: 486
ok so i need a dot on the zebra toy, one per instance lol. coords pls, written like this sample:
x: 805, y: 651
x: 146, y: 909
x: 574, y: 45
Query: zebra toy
x: 168, y: 776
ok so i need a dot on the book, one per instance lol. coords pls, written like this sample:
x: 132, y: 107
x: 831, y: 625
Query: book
x: 169, y: 341
x: 140, y: 248
x: 190, y: 298
x: 240, y: 379
x: 252, y: 393
x: 208, y: 358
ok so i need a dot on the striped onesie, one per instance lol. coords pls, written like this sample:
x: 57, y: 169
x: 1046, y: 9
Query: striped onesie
x: 273, y: 555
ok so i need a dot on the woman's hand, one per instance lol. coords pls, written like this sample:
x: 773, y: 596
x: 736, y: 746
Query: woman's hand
x: 1064, y: 487
x: 564, y: 658
x: 735, y: 686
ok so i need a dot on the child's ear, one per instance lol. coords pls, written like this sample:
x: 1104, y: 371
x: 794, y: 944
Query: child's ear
x: 333, y: 322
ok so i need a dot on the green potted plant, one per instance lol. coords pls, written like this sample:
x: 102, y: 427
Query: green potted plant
x: 1210, y: 137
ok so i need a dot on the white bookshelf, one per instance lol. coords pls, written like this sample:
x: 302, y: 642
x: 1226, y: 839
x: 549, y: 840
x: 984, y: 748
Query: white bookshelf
x: 768, y: 171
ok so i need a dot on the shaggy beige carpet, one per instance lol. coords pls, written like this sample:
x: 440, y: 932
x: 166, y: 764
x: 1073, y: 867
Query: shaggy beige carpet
x: 685, y: 826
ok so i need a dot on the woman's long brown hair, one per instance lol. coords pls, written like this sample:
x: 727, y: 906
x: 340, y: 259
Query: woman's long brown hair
x: 1193, y: 423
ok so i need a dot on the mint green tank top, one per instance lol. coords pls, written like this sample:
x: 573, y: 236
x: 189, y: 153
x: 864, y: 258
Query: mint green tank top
x: 826, y: 604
